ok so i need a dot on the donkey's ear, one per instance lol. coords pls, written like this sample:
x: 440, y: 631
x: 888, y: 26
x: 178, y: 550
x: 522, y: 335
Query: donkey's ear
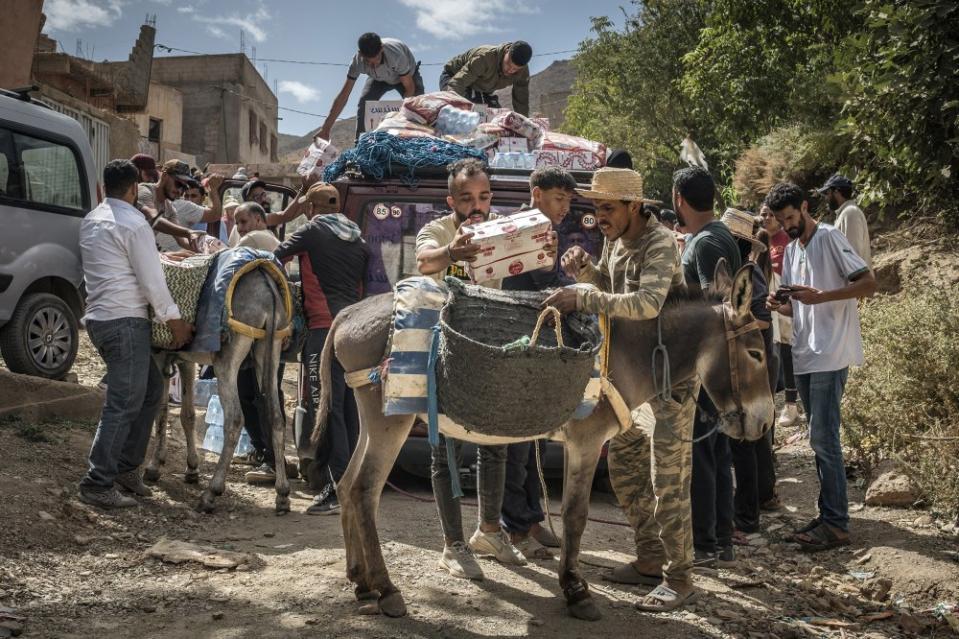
x: 741, y: 296
x: 722, y: 281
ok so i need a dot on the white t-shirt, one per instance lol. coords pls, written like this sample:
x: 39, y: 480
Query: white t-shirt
x: 851, y: 221
x: 262, y: 240
x: 182, y: 212
x: 826, y: 337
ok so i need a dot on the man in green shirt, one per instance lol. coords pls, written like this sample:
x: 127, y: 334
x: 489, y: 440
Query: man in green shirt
x: 477, y: 73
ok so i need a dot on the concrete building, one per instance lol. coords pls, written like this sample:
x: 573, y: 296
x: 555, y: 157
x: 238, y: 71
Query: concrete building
x: 161, y: 124
x: 229, y: 111
x: 19, y: 29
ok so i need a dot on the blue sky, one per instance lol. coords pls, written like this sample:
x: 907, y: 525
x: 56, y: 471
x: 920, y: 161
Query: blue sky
x: 326, y: 31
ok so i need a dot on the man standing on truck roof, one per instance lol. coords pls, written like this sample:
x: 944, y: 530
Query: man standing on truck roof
x: 389, y: 65
x: 477, y: 73
x: 551, y: 192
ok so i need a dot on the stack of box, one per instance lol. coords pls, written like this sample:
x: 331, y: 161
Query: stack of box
x: 510, y: 246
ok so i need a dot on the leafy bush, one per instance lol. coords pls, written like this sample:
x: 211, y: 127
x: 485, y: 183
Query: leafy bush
x: 795, y: 153
x: 904, y: 403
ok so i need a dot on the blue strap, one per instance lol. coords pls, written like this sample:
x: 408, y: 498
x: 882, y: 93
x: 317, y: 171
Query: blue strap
x: 433, y: 424
x: 432, y: 402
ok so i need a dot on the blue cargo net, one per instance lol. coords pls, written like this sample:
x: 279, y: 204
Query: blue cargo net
x: 377, y: 152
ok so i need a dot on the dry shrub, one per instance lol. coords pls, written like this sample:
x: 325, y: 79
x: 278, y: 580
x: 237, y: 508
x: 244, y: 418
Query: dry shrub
x: 904, y: 403
x: 792, y: 153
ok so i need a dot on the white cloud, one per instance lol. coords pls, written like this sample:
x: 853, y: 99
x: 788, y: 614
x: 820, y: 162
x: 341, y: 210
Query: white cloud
x: 74, y: 15
x: 186, y: 10
x: 302, y: 92
x: 446, y: 19
x: 252, y: 23
x: 215, y: 31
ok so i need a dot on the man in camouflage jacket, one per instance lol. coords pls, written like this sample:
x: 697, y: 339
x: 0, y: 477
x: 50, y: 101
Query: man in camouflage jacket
x: 649, y: 471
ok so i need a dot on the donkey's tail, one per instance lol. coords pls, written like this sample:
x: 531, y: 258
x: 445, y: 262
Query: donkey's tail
x: 326, y: 375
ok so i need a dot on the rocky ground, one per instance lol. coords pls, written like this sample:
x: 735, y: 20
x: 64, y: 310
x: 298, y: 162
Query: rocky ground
x: 67, y: 570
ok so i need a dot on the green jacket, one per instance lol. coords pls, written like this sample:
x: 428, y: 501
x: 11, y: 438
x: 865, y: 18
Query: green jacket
x: 481, y: 69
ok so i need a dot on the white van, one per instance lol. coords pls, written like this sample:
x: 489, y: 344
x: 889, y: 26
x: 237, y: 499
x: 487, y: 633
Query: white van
x: 47, y: 184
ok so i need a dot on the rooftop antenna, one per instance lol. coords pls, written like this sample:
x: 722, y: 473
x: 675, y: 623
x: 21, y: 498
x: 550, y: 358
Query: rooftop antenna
x: 79, y: 48
x: 266, y: 73
x: 253, y: 48
x: 242, y: 42
x: 275, y: 90
x: 151, y: 20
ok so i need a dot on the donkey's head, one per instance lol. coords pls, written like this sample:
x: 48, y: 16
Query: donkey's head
x: 734, y: 370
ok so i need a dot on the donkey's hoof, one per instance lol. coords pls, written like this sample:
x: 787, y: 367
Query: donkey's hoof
x: 151, y: 475
x: 206, y: 504
x: 282, y: 505
x: 191, y: 477
x: 392, y: 605
x: 362, y: 594
x: 585, y: 609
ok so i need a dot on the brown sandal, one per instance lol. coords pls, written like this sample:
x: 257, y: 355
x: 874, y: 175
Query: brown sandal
x: 820, y: 538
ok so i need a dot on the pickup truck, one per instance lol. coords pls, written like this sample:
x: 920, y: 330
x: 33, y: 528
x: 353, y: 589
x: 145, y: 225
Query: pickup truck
x: 391, y: 213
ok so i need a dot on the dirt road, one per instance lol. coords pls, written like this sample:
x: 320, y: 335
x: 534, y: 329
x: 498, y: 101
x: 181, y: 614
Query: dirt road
x: 70, y: 571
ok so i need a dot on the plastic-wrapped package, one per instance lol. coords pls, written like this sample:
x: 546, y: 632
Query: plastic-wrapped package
x: 453, y: 121
x: 317, y: 157
x: 424, y: 109
x: 520, y: 125
x: 398, y: 125
x: 474, y: 139
x: 570, y: 152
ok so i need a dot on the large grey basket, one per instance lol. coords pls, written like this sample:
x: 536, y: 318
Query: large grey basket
x: 519, y: 392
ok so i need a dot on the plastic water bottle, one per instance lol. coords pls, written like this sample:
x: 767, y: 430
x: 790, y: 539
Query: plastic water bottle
x: 213, y: 439
x: 243, y: 447
x: 203, y: 390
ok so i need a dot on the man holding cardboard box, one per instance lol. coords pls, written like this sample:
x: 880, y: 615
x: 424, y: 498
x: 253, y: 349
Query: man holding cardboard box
x: 650, y: 472
x: 444, y: 247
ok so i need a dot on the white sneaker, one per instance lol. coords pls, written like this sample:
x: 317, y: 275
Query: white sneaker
x: 789, y: 415
x: 498, y: 545
x: 458, y: 559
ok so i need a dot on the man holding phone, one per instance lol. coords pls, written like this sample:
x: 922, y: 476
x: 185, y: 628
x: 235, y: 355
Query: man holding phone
x: 822, y: 278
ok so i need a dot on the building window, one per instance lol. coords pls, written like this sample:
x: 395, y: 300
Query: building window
x: 273, y: 155
x: 254, y: 129
x: 264, y: 139
x: 155, y: 130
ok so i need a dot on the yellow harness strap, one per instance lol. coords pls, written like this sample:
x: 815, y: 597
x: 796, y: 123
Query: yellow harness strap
x: 280, y: 278
x: 359, y: 379
x: 616, y: 401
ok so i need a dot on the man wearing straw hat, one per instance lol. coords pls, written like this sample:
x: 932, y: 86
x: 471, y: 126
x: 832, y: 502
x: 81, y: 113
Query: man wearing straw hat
x: 649, y: 471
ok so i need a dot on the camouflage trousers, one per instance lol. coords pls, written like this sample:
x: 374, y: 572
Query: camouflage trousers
x: 650, y: 474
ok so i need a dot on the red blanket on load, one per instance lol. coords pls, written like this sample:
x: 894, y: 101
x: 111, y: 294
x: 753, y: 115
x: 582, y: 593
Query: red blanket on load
x: 426, y: 108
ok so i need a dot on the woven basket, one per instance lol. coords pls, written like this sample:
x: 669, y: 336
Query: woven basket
x: 185, y: 281
x: 517, y: 392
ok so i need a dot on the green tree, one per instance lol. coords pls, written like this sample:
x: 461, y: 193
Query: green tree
x: 627, y: 91
x: 901, y: 115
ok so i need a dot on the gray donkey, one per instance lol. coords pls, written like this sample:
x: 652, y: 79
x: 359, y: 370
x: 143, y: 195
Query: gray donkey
x: 257, y: 303
x: 716, y: 340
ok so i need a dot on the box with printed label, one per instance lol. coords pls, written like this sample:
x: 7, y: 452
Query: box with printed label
x: 508, y: 266
x: 513, y: 145
x: 506, y: 236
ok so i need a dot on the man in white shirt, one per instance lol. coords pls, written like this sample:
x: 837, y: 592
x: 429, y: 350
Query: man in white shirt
x: 251, y: 228
x: 123, y: 280
x: 822, y: 278
x: 850, y: 220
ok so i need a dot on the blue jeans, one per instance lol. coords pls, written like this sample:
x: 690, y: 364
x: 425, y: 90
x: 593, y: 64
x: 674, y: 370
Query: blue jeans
x: 521, y: 505
x: 821, y: 394
x: 134, y: 394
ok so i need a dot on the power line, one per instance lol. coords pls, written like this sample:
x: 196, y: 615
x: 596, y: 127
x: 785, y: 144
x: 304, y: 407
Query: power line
x: 331, y: 64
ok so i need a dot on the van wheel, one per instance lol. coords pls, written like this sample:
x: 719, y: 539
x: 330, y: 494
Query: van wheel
x: 41, y: 338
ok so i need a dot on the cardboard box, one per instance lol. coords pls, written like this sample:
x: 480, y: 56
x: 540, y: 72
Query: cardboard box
x: 508, y: 236
x: 377, y: 110
x: 513, y: 145
x: 508, y: 266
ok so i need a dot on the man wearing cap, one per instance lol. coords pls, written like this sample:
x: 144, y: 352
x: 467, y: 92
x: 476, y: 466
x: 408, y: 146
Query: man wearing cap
x: 649, y: 471
x: 156, y: 200
x: 477, y: 73
x: 333, y: 261
x: 823, y: 277
x: 850, y: 220
x: 389, y: 66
